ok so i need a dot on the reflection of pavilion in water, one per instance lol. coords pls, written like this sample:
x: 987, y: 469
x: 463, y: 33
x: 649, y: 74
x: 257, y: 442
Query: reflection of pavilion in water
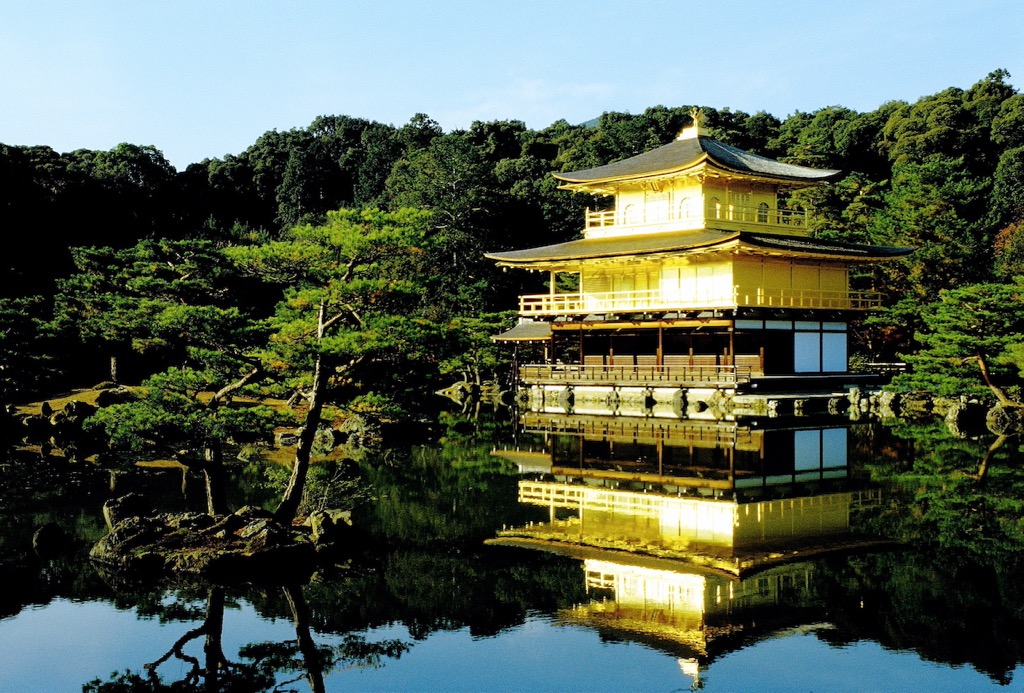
x: 696, y: 615
x: 701, y: 457
x: 694, y: 535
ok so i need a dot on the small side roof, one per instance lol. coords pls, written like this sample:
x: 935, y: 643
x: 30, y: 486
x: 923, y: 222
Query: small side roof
x: 689, y: 151
x: 525, y: 331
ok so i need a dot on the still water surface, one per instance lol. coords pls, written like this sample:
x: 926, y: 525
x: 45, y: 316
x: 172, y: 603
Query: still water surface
x: 782, y: 558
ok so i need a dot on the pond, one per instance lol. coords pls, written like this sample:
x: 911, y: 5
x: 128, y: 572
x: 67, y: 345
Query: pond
x: 563, y: 553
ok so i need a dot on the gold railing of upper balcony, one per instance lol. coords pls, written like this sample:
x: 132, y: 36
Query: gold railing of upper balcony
x: 660, y: 301
x: 754, y: 216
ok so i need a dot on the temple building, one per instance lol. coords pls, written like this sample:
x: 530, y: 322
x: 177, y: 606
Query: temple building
x: 696, y: 283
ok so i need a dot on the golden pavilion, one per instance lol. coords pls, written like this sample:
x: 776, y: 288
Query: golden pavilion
x: 696, y: 280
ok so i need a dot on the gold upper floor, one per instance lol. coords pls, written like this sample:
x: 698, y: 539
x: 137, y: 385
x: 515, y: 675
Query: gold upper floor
x: 714, y: 280
x: 694, y: 214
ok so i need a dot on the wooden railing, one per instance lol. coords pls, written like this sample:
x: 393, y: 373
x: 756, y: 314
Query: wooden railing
x: 776, y: 219
x: 653, y: 375
x: 685, y: 431
x: 657, y: 300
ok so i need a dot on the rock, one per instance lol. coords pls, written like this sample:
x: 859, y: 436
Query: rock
x: 248, y: 453
x: 838, y: 405
x: 1005, y: 420
x: 460, y: 392
x: 853, y: 395
x: 965, y: 419
x: 129, y: 505
x: 916, y: 403
x: 285, y: 439
x: 114, y: 395
x: 250, y: 513
x: 36, y: 428
x: 224, y: 548
x: 73, y: 414
x: 324, y: 442
x: 329, y: 526
x: 188, y: 522
x: 49, y: 540
x: 125, y: 545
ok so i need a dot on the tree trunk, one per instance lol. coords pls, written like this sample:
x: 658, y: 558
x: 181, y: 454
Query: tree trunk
x: 983, y: 467
x: 213, y: 474
x: 288, y: 508
x: 996, y: 390
x: 213, y: 649
x: 310, y: 655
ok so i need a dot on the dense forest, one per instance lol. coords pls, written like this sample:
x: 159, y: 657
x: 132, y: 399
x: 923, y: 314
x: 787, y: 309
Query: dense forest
x: 362, y: 243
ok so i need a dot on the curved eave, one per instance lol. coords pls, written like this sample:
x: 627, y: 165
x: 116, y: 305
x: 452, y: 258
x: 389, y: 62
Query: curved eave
x: 681, y: 157
x: 608, y: 184
x: 805, y: 246
x: 698, y: 241
x: 615, y: 246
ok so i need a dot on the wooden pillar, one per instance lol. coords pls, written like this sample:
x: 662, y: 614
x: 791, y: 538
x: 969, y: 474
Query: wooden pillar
x: 659, y: 357
x: 515, y: 366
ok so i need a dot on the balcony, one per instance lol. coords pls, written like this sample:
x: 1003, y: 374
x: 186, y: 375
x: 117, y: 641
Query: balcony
x: 659, y: 218
x: 661, y: 301
x: 706, y: 375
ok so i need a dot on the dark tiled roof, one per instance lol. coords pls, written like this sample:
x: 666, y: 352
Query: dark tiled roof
x: 806, y: 244
x: 646, y: 244
x: 681, y: 154
x: 525, y: 331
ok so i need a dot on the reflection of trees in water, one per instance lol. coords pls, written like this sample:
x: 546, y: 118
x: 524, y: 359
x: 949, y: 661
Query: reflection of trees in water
x: 951, y: 493
x: 945, y: 608
x: 958, y: 602
x: 424, y: 591
x: 303, y: 658
x: 955, y: 597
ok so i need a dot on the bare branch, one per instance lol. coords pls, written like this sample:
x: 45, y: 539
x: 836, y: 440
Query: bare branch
x: 235, y: 386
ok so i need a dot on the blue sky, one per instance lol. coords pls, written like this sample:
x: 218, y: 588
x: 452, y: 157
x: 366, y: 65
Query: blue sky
x: 202, y: 79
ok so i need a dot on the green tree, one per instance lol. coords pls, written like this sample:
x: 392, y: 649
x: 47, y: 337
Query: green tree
x: 938, y: 209
x: 347, y: 317
x: 114, y: 298
x: 27, y: 350
x: 175, y: 298
x: 972, y: 338
x: 453, y: 180
x: 1007, y: 198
